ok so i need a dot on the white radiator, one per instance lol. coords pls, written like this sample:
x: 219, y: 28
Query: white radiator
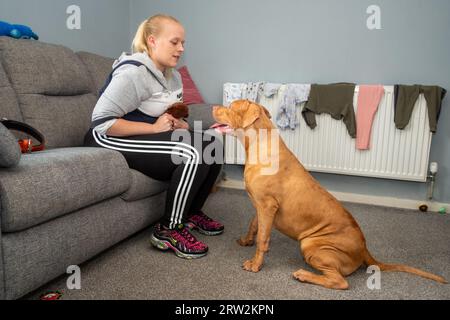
x: 393, y: 154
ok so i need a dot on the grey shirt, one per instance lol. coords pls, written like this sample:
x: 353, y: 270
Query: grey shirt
x: 133, y: 87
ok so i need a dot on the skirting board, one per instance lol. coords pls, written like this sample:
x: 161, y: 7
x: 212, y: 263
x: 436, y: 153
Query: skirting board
x: 360, y: 198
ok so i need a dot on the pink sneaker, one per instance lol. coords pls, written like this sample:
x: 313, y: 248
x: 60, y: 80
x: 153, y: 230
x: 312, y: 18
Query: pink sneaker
x: 204, y: 224
x: 180, y: 240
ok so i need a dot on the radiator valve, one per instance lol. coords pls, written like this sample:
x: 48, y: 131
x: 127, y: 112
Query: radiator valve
x: 432, y: 178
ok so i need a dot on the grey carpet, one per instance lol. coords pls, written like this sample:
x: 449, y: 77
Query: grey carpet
x: 135, y: 270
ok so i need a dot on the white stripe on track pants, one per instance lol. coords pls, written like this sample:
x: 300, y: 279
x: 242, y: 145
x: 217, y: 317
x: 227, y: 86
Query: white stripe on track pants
x: 189, y: 182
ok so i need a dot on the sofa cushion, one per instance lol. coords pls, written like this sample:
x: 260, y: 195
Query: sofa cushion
x: 55, y: 182
x: 54, y: 90
x: 9, y: 148
x: 99, y: 68
x: 191, y: 95
x: 9, y: 106
x: 38, y: 67
x: 201, y: 112
x: 39, y: 254
x: 143, y: 186
x: 63, y: 120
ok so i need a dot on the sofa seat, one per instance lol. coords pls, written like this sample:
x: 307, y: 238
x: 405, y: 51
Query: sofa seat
x: 54, y: 182
x: 142, y: 186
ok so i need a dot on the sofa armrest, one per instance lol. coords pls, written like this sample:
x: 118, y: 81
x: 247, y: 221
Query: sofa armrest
x: 202, y: 114
x: 51, y: 183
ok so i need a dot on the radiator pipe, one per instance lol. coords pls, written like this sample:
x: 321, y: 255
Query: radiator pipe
x: 432, y: 178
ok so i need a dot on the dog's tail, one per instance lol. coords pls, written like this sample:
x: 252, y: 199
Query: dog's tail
x: 369, y: 260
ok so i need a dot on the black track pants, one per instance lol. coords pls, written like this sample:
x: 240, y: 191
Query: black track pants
x: 191, y: 179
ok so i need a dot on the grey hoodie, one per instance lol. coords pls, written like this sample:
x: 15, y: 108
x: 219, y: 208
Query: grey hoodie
x: 132, y: 88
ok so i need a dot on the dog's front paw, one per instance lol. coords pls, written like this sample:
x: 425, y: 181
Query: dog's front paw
x: 249, y: 265
x: 244, y: 242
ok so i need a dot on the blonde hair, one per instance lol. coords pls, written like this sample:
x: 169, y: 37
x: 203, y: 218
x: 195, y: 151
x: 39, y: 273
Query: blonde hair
x: 149, y: 27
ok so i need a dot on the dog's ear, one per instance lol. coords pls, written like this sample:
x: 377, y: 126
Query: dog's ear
x: 267, y: 112
x: 251, y: 115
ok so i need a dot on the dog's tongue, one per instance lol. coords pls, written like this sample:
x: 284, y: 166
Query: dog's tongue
x: 221, y: 128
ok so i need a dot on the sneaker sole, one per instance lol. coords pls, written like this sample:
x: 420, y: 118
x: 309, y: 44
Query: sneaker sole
x: 203, y: 231
x: 165, y: 245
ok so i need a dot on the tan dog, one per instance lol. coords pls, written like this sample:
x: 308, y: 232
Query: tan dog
x: 292, y: 201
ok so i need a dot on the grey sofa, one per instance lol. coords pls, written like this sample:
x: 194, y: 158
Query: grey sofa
x: 64, y: 205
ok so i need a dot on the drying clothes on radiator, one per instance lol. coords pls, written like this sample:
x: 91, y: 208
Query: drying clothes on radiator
x: 253, y: 91
x: 236, y: 91
x: 269, y: 89
x: 369, y: 98
x: 287, y: 110
x: 406, y: 97
x: 233, y: 91
x: 334, y: 99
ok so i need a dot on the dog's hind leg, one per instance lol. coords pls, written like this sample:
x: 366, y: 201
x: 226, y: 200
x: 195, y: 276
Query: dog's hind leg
x: 249, y: 239
x: 326, y: 261
x: 331, y: 280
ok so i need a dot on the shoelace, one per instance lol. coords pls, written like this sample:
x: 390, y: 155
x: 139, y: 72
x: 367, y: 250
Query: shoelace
x: 184, y: 233
x: 203, y: 217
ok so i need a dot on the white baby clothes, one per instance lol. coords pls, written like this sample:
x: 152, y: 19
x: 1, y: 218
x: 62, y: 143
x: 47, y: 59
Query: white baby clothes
x: 287, y: 111
x: 253, y: 91
x: 269, y: 89
x: 233, y: 91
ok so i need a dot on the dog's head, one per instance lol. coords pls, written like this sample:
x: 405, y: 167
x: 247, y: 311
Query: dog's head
x: 241, y: 114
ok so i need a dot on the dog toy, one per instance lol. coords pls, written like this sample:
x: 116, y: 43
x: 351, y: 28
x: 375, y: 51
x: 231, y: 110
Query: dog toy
x: 178, y: 110
x: 17, y: 31
x: 442, y: 210
x: 51, y: 295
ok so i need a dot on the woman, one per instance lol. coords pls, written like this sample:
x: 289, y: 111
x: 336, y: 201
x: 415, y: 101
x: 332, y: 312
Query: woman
x: 129, y: 117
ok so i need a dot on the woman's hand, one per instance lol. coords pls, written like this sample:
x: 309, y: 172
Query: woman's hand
x: 167, y: 122
x: 180, y: 124
x: 164, y: 123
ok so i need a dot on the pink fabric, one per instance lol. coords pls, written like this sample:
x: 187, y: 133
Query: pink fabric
x: 191, y: 95
x: 369, y: 98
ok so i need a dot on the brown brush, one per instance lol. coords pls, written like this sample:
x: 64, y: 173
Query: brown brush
x: 178, y: 110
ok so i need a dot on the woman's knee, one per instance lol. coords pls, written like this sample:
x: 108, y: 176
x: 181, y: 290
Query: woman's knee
x: 203, y: 147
